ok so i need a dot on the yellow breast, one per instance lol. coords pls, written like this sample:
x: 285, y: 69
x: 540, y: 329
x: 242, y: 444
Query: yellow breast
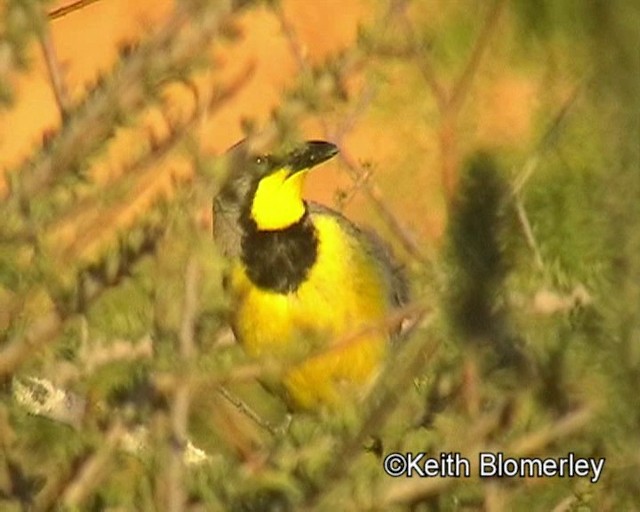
x: 322, y: 326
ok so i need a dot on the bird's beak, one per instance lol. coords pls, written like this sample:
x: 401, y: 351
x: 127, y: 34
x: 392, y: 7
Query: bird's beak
x: 310, y: 154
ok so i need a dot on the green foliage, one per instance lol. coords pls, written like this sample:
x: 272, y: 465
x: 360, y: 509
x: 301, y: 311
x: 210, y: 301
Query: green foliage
x: 21, y: 22
x: 527, y: 344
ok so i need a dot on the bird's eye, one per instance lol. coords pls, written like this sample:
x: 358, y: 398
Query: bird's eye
x: 261, y: 159
x: 263, y: 163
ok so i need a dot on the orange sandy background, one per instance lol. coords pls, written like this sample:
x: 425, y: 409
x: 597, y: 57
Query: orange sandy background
x: 395, y: 132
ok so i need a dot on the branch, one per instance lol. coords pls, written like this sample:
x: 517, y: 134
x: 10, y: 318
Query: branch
x: 68, y: 9
x: 135, y: 81
x: 47, y: 326
x: 461, y: 87
x: 92, y: 472
x: 182, y: 394
x: 426, y: 67
x: 373, y: 193
x: 55, y: 73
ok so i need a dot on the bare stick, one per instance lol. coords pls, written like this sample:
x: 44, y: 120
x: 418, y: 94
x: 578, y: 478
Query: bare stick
x: 373, y: 193
x: 290, y: 35
x: 182, y: 396
x: 55, y: 72
x: 93, y: 470
x: 530, y: 166
x: 127, y: 89
x: 461, y: 87
x: 528, y: 233
x: 426, y: 66
x: 68, y: 9
x: 247, y: 411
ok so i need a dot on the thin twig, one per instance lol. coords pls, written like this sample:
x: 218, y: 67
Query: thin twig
x: 56, y: 77
x: 426, y: 66
x: 348, y: 123
x: 461, y: 88
x: 528, y: 232
x: 566, y: 504
x: 356, y: 186
x: 450, y: 102
x: 93, y: 470
x: 373, y: 193
x: 529, y: 168
x: 527, y: 171
x: 290, y: 35
x: 182, y: 397
x: 247, y: 411
x: 536, y: 441
x: 532, y: 163
x: 128, y: 89
x: 69, y: 8
x: 413, y: 312
x: 358, y: 179
x: 189, y: 311
x: 459, y: 91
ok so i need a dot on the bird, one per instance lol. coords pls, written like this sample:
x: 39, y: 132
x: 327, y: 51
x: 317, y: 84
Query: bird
x: 308, y: 288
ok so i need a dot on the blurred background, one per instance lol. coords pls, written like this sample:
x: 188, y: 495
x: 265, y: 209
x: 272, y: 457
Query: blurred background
x: 494, y: 145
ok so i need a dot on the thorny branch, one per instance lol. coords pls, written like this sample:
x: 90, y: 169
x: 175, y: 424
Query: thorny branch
x: 124, y: 92
x: 450, y: 101
x: 46, y: 328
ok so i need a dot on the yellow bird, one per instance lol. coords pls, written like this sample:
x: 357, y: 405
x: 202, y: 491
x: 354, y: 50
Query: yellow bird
x: 309, y: 288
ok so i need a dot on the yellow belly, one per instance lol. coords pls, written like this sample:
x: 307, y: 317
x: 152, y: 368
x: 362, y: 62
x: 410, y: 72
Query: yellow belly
x: 323, y: 329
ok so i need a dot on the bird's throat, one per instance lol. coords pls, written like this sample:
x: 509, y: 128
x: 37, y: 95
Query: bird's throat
x: 277, y: 201
x: 279, y: 260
